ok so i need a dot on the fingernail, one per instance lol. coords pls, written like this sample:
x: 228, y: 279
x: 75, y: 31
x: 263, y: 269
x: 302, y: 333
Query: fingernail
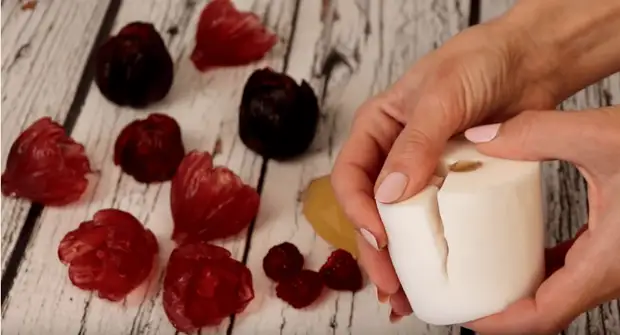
x: 382, y: 296
x: 482, y: 134
x: 370, y: 238
x: 394, y: 317
x: 391, y: 188
x: 437, y: 181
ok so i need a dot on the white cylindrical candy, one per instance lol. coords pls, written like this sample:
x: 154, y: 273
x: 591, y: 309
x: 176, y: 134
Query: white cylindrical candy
x: 473, y: 246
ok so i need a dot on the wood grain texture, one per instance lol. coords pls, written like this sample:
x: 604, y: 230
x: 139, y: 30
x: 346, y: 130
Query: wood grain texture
x: 205, y: 105
x: 567, y: 208
x: 566, y: 190
x: 44, y: 51
x: 362, y: 47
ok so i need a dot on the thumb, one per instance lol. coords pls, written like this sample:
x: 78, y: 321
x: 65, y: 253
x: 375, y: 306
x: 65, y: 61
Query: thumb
x: 415, y: 153
x: 580, y: 137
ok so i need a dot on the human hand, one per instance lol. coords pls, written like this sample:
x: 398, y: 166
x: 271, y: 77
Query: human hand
x: 487, y: 73
x: 481, y: 74
x: 584, y: 272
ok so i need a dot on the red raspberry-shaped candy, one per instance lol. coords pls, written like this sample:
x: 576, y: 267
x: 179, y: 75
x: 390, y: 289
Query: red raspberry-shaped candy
x: 300, y: 290
x: 283, y: 261
x: 341, y: 272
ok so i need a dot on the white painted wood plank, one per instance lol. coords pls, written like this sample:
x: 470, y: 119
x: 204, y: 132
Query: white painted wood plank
x: 566, y: 190
x: 378, y: 40
x: 490, y: 9
x: 568, y: 208
x: 205, y: 105
x: 43, y: 55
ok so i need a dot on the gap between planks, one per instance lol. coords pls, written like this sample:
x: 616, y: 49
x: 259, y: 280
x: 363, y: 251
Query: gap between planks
x: 35, y: 210
x: 42, y: 60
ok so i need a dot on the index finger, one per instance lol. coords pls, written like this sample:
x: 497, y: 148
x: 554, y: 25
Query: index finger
x: 353, y: 177
x: 358, y: 165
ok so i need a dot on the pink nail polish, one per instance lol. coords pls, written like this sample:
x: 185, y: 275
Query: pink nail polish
x: 392, y: 187
x: 382, y: 297
x: 370, y: 238
x: 482, y: 134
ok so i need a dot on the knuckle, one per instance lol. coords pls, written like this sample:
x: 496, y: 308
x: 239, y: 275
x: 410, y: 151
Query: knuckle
x: 350, y: 207
x: 413, y: 143
x: 524, y: 126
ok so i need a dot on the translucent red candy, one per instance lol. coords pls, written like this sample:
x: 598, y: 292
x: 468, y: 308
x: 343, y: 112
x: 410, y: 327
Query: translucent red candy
x: 112, y: 254
x: 283, y: 261
x: 203, y: 285
x: 300, y: 290
x: 209, y: 202
x: 46, y: 166
x: 341, y: 272
x: 150, y: 150
x: 228, y: 37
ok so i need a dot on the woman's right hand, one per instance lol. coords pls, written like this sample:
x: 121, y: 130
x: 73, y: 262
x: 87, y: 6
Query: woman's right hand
x: 487, y: 73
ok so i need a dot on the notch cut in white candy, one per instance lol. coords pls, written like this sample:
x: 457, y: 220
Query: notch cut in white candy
x: 472, y: 246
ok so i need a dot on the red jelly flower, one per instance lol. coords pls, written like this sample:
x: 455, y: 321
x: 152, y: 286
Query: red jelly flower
x: 282, y: 261
x: 300, y: 290
x: 341, y: 272
x: 150, y: 150
x: 209, y: 202
x: 203, y: 285
x: 46, y: 166
x: 134, y: 68
x: 112, y: 254
x: 228, y: 37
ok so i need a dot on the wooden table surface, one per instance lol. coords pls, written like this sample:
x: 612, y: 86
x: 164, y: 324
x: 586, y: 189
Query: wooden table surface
x: 357, y: 49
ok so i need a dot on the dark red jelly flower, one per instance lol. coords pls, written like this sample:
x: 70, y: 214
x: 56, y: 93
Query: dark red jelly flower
x: 111, y: 254
x: 203, y: 285
x: 282, y: 261
x: 277, y: 118
x: 300, y: 290
x: 134, y: 68
x: 228, y: 37
x: 150, y: 150
x: 46, y: 166
x: 209, y: 202
x: 341, y: 272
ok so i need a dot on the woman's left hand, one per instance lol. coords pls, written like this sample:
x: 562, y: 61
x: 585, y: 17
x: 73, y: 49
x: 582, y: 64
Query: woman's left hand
x: 584, y: 272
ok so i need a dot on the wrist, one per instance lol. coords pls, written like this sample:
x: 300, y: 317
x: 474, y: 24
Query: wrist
x: 566, y: 44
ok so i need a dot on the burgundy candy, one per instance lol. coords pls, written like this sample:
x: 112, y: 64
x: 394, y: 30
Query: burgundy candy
x: 150, y: 150
x: 278, y: 118
x: 134, y: 68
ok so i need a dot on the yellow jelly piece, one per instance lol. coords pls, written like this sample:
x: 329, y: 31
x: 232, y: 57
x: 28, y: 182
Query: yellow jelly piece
x: 324, y: 213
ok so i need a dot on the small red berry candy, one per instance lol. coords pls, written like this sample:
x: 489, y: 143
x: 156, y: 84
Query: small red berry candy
x: 301, y: 290
x: 283, y: 261
x: 46, y: 166
x: 111, y: 254
x: 150, y: 150
x: 204, y: 285
x: 341, y: 272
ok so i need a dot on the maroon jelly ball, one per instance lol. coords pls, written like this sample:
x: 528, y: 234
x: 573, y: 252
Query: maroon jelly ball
x: 134, y: 68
